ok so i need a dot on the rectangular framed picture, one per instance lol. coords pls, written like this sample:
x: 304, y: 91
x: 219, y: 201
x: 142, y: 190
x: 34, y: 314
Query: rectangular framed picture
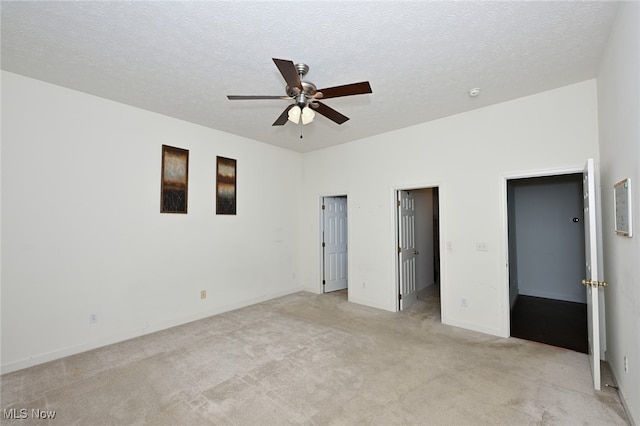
x: 175, y: 180
x: 622, y: 203
x: 225, y: 186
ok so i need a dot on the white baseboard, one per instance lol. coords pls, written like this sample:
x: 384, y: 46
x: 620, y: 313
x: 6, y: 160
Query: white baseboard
x: 479, y: 328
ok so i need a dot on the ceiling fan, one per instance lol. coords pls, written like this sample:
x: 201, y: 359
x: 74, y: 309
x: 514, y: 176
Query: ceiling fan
x: 306, y: 96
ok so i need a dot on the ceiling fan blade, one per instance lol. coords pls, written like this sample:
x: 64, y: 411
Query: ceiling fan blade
x: 282, y: 120
x: 346, y: 90
x: 289, y: 72
x: 246, y: 97
x: 330, y: 113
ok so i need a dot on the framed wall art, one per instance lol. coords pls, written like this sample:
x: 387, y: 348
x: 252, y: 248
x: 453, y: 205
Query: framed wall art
x: 175, y: 180
x: 225, y: 186
x: 622, y: 202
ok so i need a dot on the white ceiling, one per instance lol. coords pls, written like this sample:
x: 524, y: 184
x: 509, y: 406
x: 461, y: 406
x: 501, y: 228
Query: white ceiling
x: 181, y: 59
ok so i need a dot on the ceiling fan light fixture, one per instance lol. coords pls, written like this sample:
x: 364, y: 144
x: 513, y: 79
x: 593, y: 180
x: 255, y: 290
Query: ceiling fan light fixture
x: 294, y: 114
x: 307, y: 115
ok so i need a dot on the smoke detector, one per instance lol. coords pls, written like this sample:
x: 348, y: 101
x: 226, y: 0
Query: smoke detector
x: 473, y: 92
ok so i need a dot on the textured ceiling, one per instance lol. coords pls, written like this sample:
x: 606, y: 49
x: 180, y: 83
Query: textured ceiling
x: 181, y: 59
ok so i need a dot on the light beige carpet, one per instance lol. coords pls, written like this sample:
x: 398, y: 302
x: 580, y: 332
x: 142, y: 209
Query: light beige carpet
x: 319, y: 360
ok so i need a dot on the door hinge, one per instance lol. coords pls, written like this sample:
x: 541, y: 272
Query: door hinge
x: 324, y: 244
x: 323, y: 206
x: 323, y: 282
x: 398, y: 203
x: 399, y: 296
x: 399, y: 249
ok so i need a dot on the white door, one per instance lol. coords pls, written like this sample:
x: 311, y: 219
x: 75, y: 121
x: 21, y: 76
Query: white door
x: 334, y: 243
x: 407, y: 249
x: 591, y: 281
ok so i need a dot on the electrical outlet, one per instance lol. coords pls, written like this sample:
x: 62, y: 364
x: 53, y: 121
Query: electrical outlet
x: 463, y: 302
x: 626, y: 364
x: 93, y: 318
x: 203, y: 294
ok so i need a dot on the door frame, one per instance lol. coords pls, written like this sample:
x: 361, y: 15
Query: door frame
x: 506, y: 303
x: 441, y: 226
x: 320, y: 235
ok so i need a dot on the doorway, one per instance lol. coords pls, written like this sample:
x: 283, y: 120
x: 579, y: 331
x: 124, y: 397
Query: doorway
x: 546, y: 243
x: 418, y: 242
x: 334, y: 241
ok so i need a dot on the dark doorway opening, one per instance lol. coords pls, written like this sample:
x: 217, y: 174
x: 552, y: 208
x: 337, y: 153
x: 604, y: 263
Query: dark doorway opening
x: 546, y: 260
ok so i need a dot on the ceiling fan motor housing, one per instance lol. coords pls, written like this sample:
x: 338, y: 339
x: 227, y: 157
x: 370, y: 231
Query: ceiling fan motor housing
x: 308, y: 90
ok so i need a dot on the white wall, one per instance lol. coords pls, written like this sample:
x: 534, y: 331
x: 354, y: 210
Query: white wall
x: 619, y: 125
x: 82, y: 232
x: 467, y: 156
